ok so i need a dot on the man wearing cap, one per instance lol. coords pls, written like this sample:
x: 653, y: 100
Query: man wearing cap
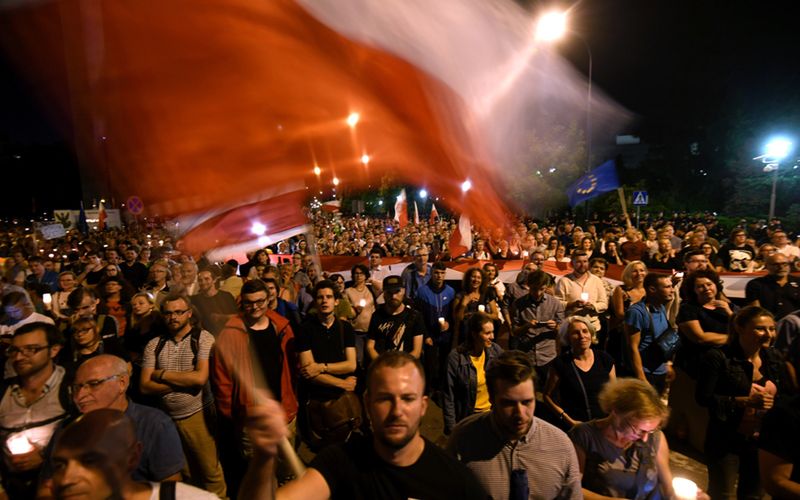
x: 394, y: 326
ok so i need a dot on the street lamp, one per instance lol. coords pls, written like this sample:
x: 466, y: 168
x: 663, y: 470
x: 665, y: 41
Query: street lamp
x: 550, y: 28
x: 775, y: 151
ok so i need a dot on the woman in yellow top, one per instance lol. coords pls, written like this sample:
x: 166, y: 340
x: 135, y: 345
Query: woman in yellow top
x: 466, y: 391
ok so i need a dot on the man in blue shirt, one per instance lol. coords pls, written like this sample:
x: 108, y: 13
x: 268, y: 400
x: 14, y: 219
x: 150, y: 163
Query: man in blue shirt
x: 435, y: 302
x: 645, y: 322
x: 417, y: 273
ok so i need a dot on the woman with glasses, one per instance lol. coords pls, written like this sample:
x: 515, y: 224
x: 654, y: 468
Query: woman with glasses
x: 625, y: 454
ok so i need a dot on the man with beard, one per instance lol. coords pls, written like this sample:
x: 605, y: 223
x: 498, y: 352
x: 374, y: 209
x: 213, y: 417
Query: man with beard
x: 510, y: 451
x: 133, y: 270
x: 175, y: 367
x: 395, y: 326
x: 214, y: 307
x: 582, y: 293
x: 396, y: 461
x: 259, y: 341
x: 32, y: 405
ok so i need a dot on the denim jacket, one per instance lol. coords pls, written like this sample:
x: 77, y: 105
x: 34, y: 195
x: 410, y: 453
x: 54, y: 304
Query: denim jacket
x: 462, y: 385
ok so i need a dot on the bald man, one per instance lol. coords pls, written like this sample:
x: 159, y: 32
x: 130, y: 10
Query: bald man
x: 95, y: 456
x: 101, y: 383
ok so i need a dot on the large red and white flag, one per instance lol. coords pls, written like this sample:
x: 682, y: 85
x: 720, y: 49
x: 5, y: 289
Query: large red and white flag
x: 401, y: 209
x: 434, y: 213
x: 461, y: 240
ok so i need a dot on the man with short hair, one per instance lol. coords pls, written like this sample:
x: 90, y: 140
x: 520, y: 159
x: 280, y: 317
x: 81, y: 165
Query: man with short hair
x: 31, y: 405
x: 394, y: 325
x: 736, y: 255
x: 19, y: 311
x: 396, y: 461
x: 83, y: 303
x: 214, y: 307
x: 582, y: 293
x: 778, y: 291
x: 189, y: 277
x: 178, y: 373
x: 645, y: 322
x: 435, y: 304
x: 95, y: 455
x: 535, y: 318
x: 46, y: 281
x: 102, y: 383
x: 416, y: 274
x: 133, y: 270
x: 513, y: 453
x: 784, y: 246
x: 254, y: 351
x: 377, y: 272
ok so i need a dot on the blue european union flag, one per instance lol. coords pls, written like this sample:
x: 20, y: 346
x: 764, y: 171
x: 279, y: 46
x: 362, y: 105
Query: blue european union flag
x: 600, y: 180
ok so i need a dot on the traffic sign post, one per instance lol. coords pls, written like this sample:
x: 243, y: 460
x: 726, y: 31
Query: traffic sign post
x: 639, y: 198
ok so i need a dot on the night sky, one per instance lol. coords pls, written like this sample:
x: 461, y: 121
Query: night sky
x: 680, y: 66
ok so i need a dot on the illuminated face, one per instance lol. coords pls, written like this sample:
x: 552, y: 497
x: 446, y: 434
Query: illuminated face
x: 598, y: 269
x: 254, y: 306
x: 580, y: 264
x: 696, y: 262
x: 437, y: 277
x: 141, y: 306
x: 705, y: 289
x: 32, y: 353
x: 580, y: 338
x: 629, y: 430
x: 760, y: 332
x: 396, y: 404
x: 96, y: 386
x: 85, y: 334
x: 475, y: 279
x: 66, y: 282
x: 486, y: 335
x: 326, y: 301
x: 638, y: 273
x: 178, y: 313
x: 513, y: 406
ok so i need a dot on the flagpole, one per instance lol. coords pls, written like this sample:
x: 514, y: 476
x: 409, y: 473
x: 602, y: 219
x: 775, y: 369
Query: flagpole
x: 621, y: 193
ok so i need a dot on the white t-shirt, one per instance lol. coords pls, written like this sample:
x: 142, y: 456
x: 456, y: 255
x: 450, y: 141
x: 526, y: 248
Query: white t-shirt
x: 184, y: 491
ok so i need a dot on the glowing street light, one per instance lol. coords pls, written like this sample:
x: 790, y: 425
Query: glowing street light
x: 423, y: 194
x: 258, y: 229
x: 335, y: 181
x: 551, y: 26
x: 317, y: 170
x: 776, y: 150
x: 365, y: 158
x: 352, y: 119
x: 466, y: 186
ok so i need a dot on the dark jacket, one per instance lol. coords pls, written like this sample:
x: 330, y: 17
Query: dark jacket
x: 462, y: 385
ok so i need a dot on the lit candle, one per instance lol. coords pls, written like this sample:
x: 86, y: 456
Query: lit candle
x: 441, y: 320
x: 481, y: 308
x: 684, y: 488
x: 362, y: 303
x: 18, y: 444
x: 47, y: 299
x: 585, y: 296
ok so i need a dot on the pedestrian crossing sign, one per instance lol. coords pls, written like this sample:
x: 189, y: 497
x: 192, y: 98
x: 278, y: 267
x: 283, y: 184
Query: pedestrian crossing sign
x: 640, y: 198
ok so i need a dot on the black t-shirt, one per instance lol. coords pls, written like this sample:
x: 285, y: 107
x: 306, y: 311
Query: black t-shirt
x: 135, y: 274
x: 327, y: 345
x: 354, y: 471
x: 576, y: 394
x: 691, y: 353
x: 780, y: 434
x: 266, y: 351
x: 395, y: 332
x: 779, y: 300
x: 735, y: 258
x: 221, y: 303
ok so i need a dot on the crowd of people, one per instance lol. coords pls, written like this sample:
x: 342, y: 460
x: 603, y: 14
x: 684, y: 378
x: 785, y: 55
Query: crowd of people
x: 550, y: 387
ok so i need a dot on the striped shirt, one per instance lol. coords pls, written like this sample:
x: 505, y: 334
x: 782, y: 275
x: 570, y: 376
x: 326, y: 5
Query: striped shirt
x: 545, y: 453
x: 178, y: 356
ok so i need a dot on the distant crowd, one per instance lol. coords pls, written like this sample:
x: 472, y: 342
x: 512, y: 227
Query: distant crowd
x: 179, y: 357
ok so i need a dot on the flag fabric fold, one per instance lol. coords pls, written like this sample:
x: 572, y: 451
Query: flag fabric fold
x: 461, y: 239
x: 434, y: 213
x: 401, y: 209
x: 600, y: 180
x: 416, y: 213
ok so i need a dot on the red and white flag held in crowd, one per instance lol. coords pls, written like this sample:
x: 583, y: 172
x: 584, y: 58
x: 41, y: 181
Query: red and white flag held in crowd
x: 434, y: 213
x: 102, y: 216
x: 332, y: 206
x: 416, y: 213
x: 401, y: 209
x: 461, y: 239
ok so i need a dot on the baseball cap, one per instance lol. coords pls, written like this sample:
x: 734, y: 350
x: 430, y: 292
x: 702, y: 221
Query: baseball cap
x: 392, y: 284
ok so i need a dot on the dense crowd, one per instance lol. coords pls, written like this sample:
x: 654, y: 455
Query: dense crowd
x: 550, y: 387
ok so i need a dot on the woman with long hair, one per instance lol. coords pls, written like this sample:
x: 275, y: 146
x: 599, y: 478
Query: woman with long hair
x: 474, y: 297
x: 577, y: 375
x: 466, y: 391
x: 738, y: 384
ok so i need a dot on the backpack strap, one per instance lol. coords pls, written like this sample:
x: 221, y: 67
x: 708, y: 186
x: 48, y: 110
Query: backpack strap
x: 166, y: 490
x: 194, y: 341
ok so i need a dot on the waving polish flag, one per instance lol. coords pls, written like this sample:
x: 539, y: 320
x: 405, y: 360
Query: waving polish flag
x: 203, y: 125
x: 434, y: 214
x: 401, y: 209
x: 461, y: 240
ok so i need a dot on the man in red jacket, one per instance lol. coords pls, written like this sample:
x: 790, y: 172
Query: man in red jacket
x: 255, y: 350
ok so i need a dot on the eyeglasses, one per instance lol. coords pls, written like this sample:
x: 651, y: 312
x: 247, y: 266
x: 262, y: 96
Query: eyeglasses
x: 169, y: 314
x: 253, y: 303
x: 639, y: 433
x: 26, y: 350
x: 92, y: 385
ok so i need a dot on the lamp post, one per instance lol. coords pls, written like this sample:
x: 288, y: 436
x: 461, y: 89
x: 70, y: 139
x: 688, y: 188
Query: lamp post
x: 776, y: 150
x: 551, y: 27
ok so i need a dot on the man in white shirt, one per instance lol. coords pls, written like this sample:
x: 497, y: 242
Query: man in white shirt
x: 581, y: 292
